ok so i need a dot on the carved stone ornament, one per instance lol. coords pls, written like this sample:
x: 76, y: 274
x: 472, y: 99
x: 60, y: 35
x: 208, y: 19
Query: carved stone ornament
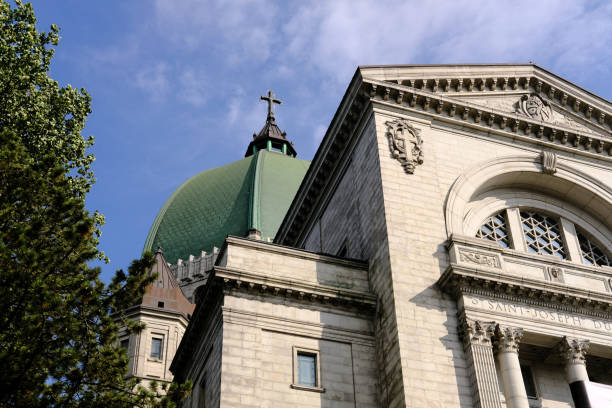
x: 406, y: 144
x: 555, y: 273
x: 480, y: 259
x: 549, y: 163
x: 507, y: 339
x: 574, y: 351
x: 477, y: 332
x: 535, y: 107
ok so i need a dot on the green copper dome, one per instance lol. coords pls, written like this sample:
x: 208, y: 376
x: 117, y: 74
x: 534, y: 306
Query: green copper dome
x: 250, y: 194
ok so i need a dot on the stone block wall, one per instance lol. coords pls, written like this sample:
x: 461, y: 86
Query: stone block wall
x: 171, y: 330
x: 259, y: 336
x: 355, y: 216
x: 404, y: 235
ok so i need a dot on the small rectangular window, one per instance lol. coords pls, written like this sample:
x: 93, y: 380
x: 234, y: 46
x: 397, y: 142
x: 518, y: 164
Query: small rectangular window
x: 306, y: 370
x: 125, y: 343
x: 156, y: 347
x: 530, y: 387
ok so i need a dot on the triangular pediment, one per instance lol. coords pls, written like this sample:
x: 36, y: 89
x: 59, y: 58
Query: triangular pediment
x: 541, y: 108
x: 519, y: 90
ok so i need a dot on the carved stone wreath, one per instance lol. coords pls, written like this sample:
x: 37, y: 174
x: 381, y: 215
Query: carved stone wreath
x: 405, y: 143
x: 535, y: 107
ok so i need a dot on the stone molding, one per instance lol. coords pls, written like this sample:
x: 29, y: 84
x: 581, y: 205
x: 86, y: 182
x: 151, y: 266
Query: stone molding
x: 507, y: 339
x: 517, y: 126
x: 405, y: 143
x: 574, y: 350
x: 467, y: 184
x: 279, y: 324
x: 243, y: 280
x: 457, y: 280
x: 289, y: 251
x: 490, y: 85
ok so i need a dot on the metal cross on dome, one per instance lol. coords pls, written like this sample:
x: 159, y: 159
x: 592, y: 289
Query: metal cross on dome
x: 271, y: 102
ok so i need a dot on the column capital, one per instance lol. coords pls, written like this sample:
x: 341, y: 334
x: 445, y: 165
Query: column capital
x: 477, y: 331
x: 573, y: 350
x: 507, y: 339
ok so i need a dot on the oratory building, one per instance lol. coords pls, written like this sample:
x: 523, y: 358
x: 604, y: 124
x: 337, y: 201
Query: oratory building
x: 449, y: 245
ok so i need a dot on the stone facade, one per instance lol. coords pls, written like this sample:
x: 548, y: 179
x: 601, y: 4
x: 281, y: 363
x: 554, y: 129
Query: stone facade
x: 466, y: 211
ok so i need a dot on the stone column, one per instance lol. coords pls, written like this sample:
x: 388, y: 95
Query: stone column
x: 573, y: 355
x: 481, y: 363
x: 506, y: 344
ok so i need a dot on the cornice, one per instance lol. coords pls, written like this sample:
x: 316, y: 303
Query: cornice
x: 457, y: 280
x: 459, y: 112
x: 484, y: 77
x: 136, y: 310
x: 239, y: 279
x: 285, y: 250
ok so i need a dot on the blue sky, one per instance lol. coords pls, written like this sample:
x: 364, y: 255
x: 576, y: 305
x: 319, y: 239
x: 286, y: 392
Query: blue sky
x: 176, y: 83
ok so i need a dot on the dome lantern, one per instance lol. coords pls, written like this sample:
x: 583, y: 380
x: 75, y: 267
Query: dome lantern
x: 270, y: 137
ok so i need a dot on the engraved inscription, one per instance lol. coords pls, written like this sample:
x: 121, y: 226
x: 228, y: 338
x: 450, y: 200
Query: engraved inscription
x: 491, y: 261
x: 538, y: 313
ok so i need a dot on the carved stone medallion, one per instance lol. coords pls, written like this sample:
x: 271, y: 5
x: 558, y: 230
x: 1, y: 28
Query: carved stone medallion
x: 535, y: 107
x: 405, y: 143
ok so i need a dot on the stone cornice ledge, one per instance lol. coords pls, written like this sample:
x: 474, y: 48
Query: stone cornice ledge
x: 302, y: 290
x: 490, y: 120
x: 457, y: 280
x: 285, y: 250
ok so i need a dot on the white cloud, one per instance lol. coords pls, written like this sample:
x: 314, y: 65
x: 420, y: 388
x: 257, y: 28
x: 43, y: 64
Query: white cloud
x: 242, y: 29
x: 244, y: 116
x: 154, y: 81
x: 335, y: 37
x: 192, y: 87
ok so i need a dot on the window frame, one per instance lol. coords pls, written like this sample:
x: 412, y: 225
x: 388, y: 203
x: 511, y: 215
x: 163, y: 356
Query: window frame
x: 121, y: 342
x: 534, y: 401
x: 160, y: 337
x: 318, y: 382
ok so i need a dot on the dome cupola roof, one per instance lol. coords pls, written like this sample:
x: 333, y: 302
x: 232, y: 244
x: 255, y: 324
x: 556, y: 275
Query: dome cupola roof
x: 247, y: 197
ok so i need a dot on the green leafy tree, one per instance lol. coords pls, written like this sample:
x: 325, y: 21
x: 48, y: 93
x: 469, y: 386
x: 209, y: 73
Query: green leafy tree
x: 58, y: 321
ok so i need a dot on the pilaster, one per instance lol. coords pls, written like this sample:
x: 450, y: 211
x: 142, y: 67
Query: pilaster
x: 479, y: 352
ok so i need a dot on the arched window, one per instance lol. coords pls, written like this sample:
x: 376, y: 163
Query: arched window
x: 545, y: 233
x: 495, y: 229
x: 592, y: 254
x: 542, y: 234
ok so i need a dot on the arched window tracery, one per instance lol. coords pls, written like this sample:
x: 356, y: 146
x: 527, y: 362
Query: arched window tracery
x: 544, y: 233
x: 495, y: 228
x: 592, y: 253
